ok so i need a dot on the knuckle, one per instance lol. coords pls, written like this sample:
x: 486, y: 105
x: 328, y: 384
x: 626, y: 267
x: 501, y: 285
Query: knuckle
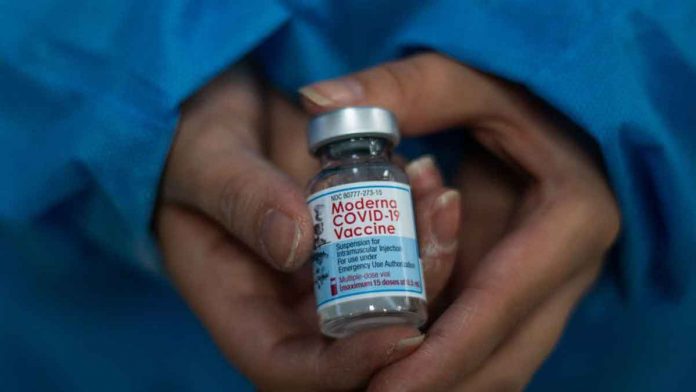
x: 593, y: 206
x: 206, y: 134
x: 413, y: 79
x: 234, y: 202
x: 401, y: 76
x: 435, y: 62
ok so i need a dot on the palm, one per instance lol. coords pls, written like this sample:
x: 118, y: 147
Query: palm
x: 226, y: 283
x: 263, y: 320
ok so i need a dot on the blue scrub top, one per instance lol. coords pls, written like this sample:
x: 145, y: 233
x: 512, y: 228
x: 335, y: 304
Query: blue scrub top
x: 89, y: 95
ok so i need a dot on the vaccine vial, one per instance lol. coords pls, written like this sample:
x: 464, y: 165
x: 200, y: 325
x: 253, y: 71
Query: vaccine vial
x: 367, y: 270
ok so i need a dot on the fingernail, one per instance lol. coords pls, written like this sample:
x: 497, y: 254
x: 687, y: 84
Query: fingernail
x: 280, y: 237
x: 409, y: 344
x: 421, y: 165
x: 406, y: 346
x: 337, y: 92
x: 423, y: 171
x: 445, y: 221
x: 403, y: 347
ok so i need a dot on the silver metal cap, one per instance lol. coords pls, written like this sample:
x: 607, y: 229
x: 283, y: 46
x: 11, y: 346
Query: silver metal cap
x: 351, y: 122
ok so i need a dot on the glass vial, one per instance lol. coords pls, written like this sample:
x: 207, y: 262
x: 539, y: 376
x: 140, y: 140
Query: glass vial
x: 367, y: 270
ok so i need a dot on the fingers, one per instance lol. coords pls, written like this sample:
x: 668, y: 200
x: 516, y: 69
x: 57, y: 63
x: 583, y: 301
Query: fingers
x: 242, y: 304
x: 426, y: 92
x: 430, y: 92
x: 437, y: 217
x: 343, y: 364
x: 513, y: 364
x: 567, y: 216
x: 525, y: 268
x: 308, y: 362
x: 490, y: 195
x: 216, y: 166
x: 252, y: 200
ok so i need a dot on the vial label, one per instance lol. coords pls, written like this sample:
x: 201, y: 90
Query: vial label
x: 365, y: 243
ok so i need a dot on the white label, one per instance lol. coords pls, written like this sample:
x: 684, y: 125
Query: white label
x: 365, y: 242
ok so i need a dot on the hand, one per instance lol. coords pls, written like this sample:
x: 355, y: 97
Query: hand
x: 234, y: 229
x: 537, y: 221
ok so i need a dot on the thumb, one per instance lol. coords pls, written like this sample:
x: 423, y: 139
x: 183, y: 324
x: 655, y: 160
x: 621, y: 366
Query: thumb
x: 426, y: 92
x: 216, y: 166
x: 255, y: 202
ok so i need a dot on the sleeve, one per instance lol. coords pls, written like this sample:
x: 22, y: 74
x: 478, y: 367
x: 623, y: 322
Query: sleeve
x: 89, y: 96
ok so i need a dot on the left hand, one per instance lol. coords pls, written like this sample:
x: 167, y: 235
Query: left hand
x: 537, y: 213
x: 257, y: 305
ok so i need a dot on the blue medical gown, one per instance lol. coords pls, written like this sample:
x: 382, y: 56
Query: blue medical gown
x: 89, y: 95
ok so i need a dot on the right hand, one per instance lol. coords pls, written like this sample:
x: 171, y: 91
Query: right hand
x: 539, y: 213
x: 235, y: 231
